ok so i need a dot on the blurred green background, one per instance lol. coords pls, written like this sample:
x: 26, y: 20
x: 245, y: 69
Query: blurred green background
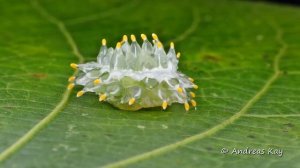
x: 244, y: 56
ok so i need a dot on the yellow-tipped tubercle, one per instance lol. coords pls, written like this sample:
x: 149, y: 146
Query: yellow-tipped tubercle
x: 71, y: 86
x: 172, y: 45
x: 194, y: 103
x: 132, y: 37
x: 80, y: 93
x: 159, y: 45
x: 154, y: 36
x: 178, y: 55
x: 71, y: 78
x: 102, y: 97
x: 191, y: 79
x: 97, y: 81
x: 118, y: 45
x: 192, y: 94
x: 186, y: 106
x: 164, y: 105
x: 131, y: 101
x: 144, y: 37
x: 73, y: 65
x: 195, y: 86
x: 179, y: 89
x: 125, y: 38
x: 103, y: 42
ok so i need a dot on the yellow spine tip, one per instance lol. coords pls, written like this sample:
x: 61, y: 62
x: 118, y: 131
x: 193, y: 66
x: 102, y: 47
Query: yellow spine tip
x: 192, y: 94
x: 191, y: 79
x: 194, y: 103
x: 172, y: 45
x: 164, y: 105
x: 154, y: 36
x: 132, y: 37
x: 97, y: 81
x: 178, y: 55
x: 186, y: 106
x: 179, y: 89
x: 159, y: 45
x: 118, y: 45
x: 71, y: 86
x: 144, y: 37
x: 80, y: 93
x: 71, y: 79
x: 73, y: 65
x: 103, y: 42
x: 195, y: 86
x: 102, y: 97
x: 125, y: 38
x: 131, y: 101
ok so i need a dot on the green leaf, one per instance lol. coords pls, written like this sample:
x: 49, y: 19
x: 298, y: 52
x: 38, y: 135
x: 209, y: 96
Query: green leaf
x: 243, y: 55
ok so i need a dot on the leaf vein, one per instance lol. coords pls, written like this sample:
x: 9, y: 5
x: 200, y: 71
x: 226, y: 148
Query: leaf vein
x: 61, y: 104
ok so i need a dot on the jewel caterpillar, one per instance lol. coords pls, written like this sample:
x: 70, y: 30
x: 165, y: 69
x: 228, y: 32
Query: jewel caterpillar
x: 131, y: 77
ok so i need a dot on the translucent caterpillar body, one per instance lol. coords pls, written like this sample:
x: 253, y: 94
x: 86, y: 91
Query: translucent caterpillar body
x: 132, y: 77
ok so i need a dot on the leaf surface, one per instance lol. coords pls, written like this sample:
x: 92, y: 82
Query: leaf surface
x: 243, y: 55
